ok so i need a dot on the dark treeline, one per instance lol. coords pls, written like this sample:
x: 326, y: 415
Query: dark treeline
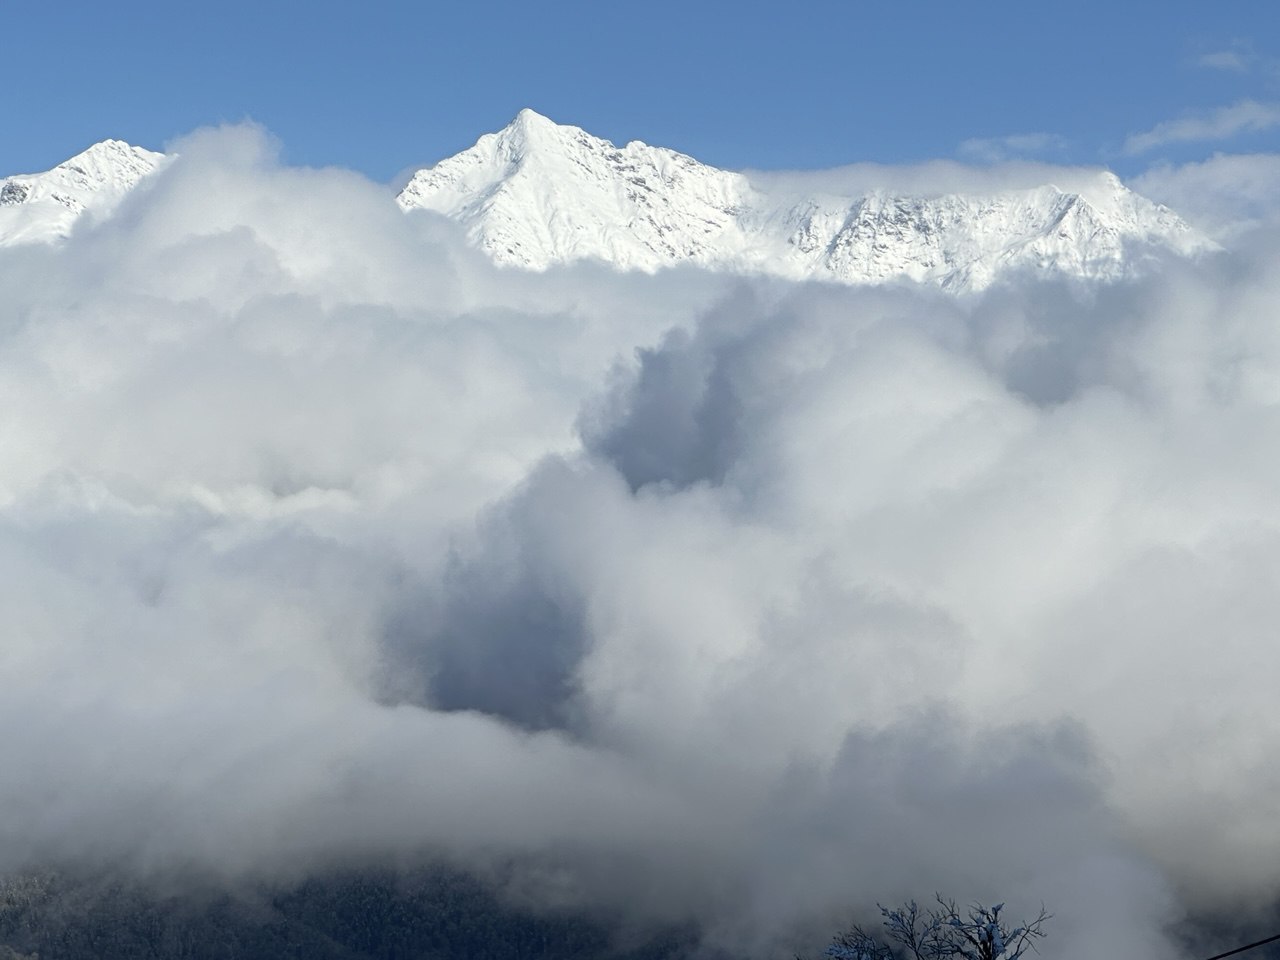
x: 434, y: 915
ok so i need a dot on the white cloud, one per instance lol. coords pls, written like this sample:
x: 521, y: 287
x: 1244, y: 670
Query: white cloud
x: 322, y: 538
x: 1247, y: 116
x: 1224, y: 196
x: 1013, y: 147
x: 932, y: 178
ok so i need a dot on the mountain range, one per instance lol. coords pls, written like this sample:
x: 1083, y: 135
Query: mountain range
x: 537, y: 194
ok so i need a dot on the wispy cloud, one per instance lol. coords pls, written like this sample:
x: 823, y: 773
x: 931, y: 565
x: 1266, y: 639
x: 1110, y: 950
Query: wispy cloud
x: 1235, y: 61
x: 1013, y: 147
x: 1247, y: 116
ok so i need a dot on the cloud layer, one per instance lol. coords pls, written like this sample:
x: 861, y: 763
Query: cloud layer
x: 325, y: 541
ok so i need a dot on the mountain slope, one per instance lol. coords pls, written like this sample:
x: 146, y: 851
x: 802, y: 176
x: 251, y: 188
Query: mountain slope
x: 538, y: 193
x: 43, y: 207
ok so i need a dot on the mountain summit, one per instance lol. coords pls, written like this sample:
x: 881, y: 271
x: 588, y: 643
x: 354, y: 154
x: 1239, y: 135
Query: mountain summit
x: 538, y: 193
x: 43, y: 206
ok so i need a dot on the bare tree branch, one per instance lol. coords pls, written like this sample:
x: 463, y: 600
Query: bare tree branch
x: 942, y: 933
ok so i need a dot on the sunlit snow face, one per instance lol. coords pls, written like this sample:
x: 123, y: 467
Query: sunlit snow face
x: 322, y: 539
x: 538, y: 194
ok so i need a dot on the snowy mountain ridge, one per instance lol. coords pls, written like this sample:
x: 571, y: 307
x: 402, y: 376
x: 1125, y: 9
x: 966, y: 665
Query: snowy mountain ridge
x: 43, y: 207
x: 537, y: 193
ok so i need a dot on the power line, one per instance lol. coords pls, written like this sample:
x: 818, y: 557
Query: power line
x: 1247, y: 946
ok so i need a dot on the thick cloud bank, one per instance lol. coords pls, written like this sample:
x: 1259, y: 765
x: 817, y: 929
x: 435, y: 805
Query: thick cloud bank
x: 324, y: 542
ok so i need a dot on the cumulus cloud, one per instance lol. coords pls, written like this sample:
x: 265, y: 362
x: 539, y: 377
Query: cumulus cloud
x: 1247, y: 116
x: 324, y: 541
x: 1225, y: 196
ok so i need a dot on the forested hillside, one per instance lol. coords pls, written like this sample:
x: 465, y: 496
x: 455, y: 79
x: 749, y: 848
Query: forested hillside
x: 437, y: 915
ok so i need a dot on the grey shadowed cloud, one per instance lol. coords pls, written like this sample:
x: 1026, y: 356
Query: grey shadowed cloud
x: 323, y: 541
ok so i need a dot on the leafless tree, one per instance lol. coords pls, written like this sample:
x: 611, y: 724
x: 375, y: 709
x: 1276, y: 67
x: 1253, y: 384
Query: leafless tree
x: 940, y: 933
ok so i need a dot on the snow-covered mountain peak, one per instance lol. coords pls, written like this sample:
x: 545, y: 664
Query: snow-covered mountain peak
x: 112, y: 162
x: 537, y: 193
x: 42, y: 207
x: 527, y: 135
x: 531, y: 129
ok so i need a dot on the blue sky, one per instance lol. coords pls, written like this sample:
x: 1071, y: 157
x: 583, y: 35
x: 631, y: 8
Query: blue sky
x: 382, y: 86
